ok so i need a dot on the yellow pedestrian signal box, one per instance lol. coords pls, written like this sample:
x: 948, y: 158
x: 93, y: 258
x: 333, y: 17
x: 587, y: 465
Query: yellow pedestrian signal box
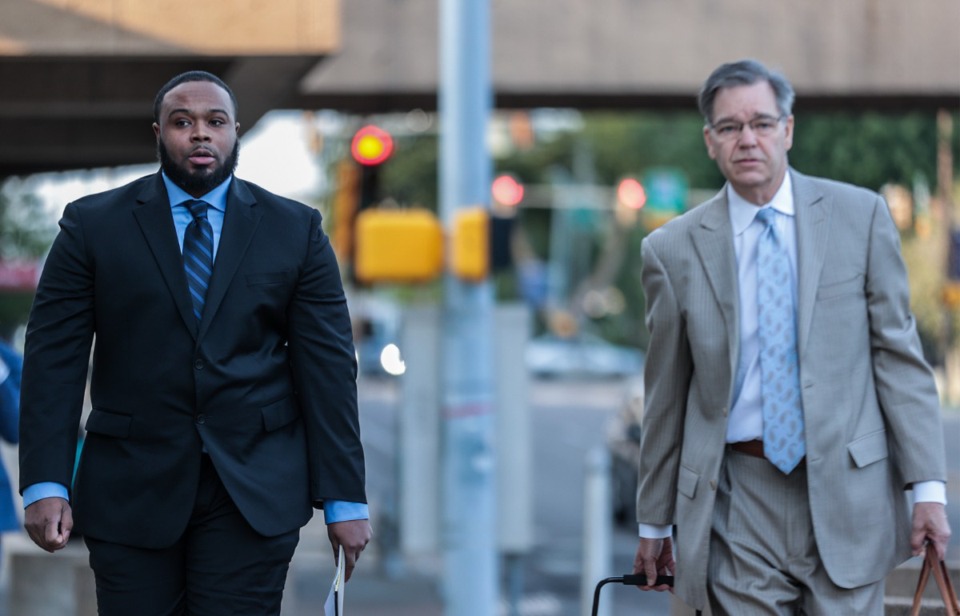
x: 470, y: 248
x: 398, y: 246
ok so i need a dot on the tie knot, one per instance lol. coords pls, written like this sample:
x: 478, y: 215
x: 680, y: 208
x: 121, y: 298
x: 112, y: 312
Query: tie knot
x: 766, y: 216
x: 198, y: 208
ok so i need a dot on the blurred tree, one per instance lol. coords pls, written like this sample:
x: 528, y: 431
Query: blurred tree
x: 411, y: 176
x: 868, y: 149
x: 26, y: 232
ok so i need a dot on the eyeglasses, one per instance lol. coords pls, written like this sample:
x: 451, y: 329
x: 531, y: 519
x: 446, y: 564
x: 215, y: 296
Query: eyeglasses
x: 761, y: 126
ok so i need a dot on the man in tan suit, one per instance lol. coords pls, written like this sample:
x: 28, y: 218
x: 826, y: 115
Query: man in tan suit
x: 790, y: 417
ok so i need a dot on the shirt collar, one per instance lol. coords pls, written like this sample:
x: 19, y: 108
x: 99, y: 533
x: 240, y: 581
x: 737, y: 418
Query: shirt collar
x: 216, y: 198
x: 742, y: 212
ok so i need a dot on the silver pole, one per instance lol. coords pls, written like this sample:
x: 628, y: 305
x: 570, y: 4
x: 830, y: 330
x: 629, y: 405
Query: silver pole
x: 469, y: 468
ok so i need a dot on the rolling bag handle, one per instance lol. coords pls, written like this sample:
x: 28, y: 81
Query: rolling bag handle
x: 637, y: 579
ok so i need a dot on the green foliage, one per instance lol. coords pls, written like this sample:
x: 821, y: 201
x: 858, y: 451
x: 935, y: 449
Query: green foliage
x: 868, y: 149
x: 25, y: 230
x: 629, y: 144
x: 25, y: 235
x: 410, y: 177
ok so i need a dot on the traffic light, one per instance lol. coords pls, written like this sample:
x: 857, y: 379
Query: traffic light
x: 506, y: 190
x: 631, y: 197
x: 469, y: 251
x: 398, y: 246
x: 371, y: 146
x: 631, y: 193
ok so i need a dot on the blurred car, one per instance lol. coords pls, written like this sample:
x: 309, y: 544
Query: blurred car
x: 623, y: 443
x: 582, y: 355
x: 376, y: 338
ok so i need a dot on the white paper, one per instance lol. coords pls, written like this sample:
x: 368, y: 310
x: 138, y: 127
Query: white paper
x: 333, y: 606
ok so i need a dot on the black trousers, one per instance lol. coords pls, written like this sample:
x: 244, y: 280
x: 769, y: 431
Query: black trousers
x: 220, y: 566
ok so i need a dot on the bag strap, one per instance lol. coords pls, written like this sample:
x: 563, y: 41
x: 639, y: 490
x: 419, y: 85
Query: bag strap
x: 942, y: 576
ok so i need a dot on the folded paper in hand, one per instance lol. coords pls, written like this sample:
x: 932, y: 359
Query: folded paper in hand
x: 333, y: 606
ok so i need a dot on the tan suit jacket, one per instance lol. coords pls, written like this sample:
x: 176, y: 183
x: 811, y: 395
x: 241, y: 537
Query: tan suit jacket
x: 870, y: 404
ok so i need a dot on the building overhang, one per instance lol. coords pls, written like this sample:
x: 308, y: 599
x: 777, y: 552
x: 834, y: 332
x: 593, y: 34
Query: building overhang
x: 80, y: 76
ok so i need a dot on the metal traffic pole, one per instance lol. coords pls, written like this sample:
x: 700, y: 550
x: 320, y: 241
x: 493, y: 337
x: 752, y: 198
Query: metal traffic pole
x: 470, y: 583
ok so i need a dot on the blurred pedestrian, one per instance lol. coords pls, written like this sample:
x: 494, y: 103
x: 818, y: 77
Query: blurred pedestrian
x: 223, y: 379
x: 788, y: 406
x: 10, y: 368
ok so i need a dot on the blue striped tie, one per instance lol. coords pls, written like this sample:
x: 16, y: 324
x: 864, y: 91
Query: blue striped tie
x: 783, y: 442
x: 198, y: 254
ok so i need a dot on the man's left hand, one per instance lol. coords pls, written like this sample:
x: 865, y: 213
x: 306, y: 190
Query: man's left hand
x: 353, y: 535
x: 930, y: 524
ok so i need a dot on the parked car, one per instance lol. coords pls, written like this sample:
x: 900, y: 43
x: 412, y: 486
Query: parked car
x: 623, y: 443
x: 582, y: 355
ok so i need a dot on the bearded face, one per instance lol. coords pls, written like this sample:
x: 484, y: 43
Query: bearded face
x: 196, y: 181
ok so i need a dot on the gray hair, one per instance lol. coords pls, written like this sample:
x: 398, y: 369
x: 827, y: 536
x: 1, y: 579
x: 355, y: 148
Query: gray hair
x: 744, y: 73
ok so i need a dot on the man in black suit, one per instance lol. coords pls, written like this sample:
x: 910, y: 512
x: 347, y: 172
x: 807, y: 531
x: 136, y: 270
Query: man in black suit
x: 224, y: 401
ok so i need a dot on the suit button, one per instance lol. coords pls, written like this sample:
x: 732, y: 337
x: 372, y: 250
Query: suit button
x: 713, y: 484
x: 201, y: 419
x: 198, y: 364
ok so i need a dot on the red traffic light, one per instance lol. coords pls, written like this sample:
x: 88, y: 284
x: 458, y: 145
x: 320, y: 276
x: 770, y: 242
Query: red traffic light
x: 371, y: 145
x: 507, y: 190
x: 631, y: 193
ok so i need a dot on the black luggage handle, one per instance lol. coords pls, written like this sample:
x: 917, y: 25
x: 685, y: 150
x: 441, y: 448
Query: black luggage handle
x: 630, y: 579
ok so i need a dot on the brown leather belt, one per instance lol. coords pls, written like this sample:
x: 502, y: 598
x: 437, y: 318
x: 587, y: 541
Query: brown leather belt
x: 751, y: 448
x: 755, y: 448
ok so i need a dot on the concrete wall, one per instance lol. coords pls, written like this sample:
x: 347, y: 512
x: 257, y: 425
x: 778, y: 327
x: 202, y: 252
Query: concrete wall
x: 79, y: 76
x: 151, y: 27
x: 605, y: 52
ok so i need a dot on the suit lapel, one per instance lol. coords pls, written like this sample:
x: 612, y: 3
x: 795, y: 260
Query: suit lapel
x: 239, y: 224
x: 813, y: 215
x: 713, y: 241
x: 156, y: 223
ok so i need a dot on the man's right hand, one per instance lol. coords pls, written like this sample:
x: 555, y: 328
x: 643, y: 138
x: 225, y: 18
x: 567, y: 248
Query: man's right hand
x: 49, y: 522
x: 654, y: 557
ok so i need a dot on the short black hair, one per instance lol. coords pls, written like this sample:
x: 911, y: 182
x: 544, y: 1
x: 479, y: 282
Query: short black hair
x: 184, y: 78
x: 744, y: 73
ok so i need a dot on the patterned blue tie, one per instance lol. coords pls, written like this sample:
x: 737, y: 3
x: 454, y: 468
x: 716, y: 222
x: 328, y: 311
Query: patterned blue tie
x: 780, y: 371
x: 198, y: 254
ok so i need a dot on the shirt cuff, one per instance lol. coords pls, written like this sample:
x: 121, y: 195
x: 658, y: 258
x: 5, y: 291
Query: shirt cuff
x: 655, y: 531
x: 344, y: 511
x: 45, y: 489
x: 930, y: 492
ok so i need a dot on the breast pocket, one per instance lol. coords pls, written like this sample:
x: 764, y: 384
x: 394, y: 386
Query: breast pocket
x: 266, y: 279
x: 854, y: 286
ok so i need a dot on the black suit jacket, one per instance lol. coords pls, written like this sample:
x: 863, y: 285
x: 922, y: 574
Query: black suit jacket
x: 266, y: 383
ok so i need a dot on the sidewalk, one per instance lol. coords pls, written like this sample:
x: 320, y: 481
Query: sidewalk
x: 370, y: 591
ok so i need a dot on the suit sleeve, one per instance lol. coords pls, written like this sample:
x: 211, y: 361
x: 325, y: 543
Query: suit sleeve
x: 325, y: 373
x: 56, y: 356
x: 904, y: 383
x: 667, y: 375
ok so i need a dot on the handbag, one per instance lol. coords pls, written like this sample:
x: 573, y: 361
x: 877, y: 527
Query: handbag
x: 942, y: 576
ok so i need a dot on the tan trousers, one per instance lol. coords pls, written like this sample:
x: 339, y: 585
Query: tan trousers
x: 763, y: 556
